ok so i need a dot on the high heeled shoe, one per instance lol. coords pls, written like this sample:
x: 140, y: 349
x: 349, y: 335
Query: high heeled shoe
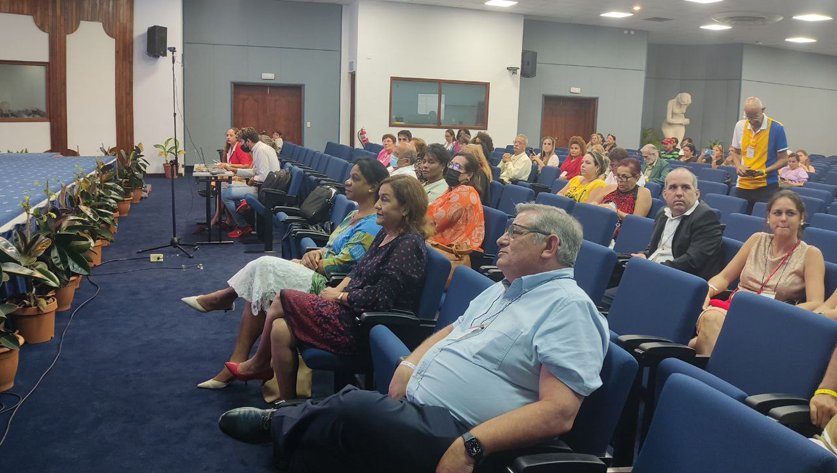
x: 264, y: 375
x: 192, y: 301
x: 213, y: 384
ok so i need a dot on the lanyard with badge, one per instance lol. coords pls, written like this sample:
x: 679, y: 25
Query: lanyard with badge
x: 782, y: 264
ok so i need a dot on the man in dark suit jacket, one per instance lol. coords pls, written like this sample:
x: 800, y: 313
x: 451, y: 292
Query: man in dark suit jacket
x: 687, y: 234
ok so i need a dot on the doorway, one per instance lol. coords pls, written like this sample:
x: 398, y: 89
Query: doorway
x: 564, y: 117
x: 269, y: 107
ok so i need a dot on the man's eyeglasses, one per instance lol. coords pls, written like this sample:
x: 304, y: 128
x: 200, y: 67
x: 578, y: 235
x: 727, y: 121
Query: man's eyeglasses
x: 516, y: 230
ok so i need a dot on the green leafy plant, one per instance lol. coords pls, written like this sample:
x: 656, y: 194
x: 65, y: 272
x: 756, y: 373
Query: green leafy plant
x: 650, y: 136
x: 30, y: 245
x: 8, y: 339
x: 167, y: 149
x: 94, y: 199
x: 132, y: 168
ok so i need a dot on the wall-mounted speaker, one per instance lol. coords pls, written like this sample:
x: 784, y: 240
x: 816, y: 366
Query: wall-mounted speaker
x: 528, y: 63
x: 156, y: 41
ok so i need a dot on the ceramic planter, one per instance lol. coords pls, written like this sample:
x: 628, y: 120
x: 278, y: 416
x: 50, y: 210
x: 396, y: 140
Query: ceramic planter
x: 136, y: 196
x: 8, y: 366
x: 124, y: 206
x: 36, y: 326
x: 66, y: 294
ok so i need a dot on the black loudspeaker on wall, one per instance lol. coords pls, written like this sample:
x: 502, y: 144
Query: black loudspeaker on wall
x: 156, y: 41
x: 528, y: 63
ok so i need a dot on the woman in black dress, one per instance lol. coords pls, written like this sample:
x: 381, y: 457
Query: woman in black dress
x: 390, y: 276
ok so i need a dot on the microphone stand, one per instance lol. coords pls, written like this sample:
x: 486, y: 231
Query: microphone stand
x: 174, y: 242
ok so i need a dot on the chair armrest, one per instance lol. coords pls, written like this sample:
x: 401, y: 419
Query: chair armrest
x: 630, y: 342
x: 764, y: 403
x: 290, y: 211
x: 558, y: 462
x: 796, y: 418
x: 394, y: 318
x: 312, y: 234
x: 652, y: 353
x: 538, y: 187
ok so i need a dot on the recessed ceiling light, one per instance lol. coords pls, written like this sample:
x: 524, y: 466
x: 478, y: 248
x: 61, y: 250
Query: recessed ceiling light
x: 704, y: 1
x: 800, y: 39
x: 636, y: 8
x: 616, y: 14
x: 812, y: 17
x: 715, y: 27
x: 500, y: 3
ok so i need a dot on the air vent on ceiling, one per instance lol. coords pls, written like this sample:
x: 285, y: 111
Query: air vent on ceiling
x: 746, y: 18
x: 657, y: 19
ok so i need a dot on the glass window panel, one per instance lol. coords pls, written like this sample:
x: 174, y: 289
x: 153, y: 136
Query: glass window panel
x: 23, y: 91
x: 414, y: 102
x: 464, y: 104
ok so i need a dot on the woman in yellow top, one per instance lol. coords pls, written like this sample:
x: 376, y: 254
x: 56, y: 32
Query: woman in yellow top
x: 593, y: 166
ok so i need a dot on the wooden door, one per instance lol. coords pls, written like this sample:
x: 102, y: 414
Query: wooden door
x: 564, y: 117
x: 268, y: 108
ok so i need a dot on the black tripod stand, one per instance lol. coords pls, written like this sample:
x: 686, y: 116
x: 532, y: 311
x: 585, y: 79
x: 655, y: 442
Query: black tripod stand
x: 174, y: 166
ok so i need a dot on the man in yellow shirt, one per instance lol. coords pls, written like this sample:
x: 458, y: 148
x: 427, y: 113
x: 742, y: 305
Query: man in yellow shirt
x: 759, y: 149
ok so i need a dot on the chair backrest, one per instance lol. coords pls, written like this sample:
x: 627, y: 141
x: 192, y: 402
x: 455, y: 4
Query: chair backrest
x: 331, y: 148
x: 713, y: 175
x: 435, y: 277
x: 830, y: 278
x: 654, y: 299
x: 495, y: 173
x: 598, y: 222
x: 656, y: 206
x: 711, y: 187
x: 759, y: 209
x: 495, y: 189
x: 548, y: 175
x: 599, y: 413
x: 832, y: 209
x: 634, y: 234
x: 821, y: 194
x: 593, y: 268
x: 740, y: 227
x: 825, y: 187
x: 726, y: 204
x: 495, y: 224
x: 465, y: 285
x: 730, y: 248
x: 358, y: 153
x: 373, y: 147
x: 825, y: 240
x: 555, y: 200
x: 513, y: 195
x: 342, y: 206
x: 296, y: 181
x: 824, y: 221
x: 768, y: 346
x: 697, y: 429
x: 814, y: 205
x: 655, y: 189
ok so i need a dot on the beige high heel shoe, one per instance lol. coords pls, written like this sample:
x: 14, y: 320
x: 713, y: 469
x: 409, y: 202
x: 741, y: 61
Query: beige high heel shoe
x: 192, y: 301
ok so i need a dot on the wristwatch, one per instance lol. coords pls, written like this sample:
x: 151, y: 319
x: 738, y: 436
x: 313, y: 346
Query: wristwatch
x: 473, y: 447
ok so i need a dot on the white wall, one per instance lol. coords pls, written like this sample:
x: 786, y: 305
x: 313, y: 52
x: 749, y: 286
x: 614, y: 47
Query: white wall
x: 91, y: 89
x: 421, y: 41
x: 21, y: 40
x: 798, y: 89
x: 153, y: 78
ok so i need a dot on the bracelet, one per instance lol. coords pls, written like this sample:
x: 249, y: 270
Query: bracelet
x: 412, y: 366
x: 829, y: 392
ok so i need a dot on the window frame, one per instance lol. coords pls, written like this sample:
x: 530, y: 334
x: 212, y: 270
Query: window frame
x: 46, y: 92
x: 439, y: 84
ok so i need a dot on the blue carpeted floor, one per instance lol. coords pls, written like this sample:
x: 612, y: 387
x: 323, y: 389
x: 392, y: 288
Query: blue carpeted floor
x: 122, y: 396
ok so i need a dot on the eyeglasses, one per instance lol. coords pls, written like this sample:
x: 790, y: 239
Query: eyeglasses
x: 516, y: 230
x: 455, y: 166
x: 624, y: 178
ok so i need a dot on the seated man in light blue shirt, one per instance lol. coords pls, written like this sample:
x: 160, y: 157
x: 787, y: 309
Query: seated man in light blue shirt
x: 511, y: 371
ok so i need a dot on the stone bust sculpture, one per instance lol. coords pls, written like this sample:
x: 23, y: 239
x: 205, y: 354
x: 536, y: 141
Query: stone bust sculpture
x: 676, y: 121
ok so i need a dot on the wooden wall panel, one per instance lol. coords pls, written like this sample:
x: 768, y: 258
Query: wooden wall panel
x: 58, y: 18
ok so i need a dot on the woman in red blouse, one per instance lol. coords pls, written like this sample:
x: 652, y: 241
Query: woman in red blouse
x: 234, y: 158
x: 571, y: 166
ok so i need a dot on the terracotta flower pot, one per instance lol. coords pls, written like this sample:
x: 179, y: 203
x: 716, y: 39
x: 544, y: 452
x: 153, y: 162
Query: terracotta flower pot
x: 137, y: 196
x: 124, y: 206
x: 76, y: 281
x: 66, y: 294
x: 94, y: 255
x: 36, y: 326
x: 8, y: 366
x: 171, y: 172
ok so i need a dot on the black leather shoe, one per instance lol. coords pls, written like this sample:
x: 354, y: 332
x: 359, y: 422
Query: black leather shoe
x: 247, y: 424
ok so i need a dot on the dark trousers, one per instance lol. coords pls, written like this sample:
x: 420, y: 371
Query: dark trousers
x: 762, y: 194
x: 362, y: 431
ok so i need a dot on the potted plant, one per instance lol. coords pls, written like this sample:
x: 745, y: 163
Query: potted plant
x: 35, y: 315
x: 167, y: 152
x: 10, y: 343
x: 95, y: 199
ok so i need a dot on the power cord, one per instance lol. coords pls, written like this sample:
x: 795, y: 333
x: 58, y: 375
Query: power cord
x: 182, y: 267
x: 14, y: 409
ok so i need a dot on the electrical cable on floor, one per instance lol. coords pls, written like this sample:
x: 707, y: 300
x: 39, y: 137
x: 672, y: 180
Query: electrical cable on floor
x: 3, y: 408
x: 115, y: 260
x: 14, y: 409
x: 183, y: 267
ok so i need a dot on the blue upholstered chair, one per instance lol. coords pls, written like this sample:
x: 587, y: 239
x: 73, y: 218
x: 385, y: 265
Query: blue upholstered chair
x: 741, y: 227
x: 593, y: 267
x: 634, y: 235
x: 598, y: 223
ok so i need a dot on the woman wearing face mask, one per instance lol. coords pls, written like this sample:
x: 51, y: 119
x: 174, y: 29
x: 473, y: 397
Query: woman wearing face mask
x: 593, y: 166
x: 457, y: 216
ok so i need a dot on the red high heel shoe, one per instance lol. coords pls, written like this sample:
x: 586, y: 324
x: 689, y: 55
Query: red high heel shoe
x: 265, y: 375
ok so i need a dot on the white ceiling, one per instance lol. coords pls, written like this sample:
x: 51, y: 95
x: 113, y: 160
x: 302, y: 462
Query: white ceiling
x: 686, y: 18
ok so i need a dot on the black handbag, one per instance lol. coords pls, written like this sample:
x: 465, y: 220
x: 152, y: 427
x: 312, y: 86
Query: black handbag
x: 274, y: 189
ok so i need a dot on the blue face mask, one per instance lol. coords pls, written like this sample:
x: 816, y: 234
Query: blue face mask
x: 393, y: 161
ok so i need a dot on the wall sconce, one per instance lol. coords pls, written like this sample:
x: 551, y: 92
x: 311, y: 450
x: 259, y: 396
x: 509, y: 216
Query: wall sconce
x: 513, y: 70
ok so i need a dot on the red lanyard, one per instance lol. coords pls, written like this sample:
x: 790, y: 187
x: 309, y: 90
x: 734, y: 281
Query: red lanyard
x: 781, y: 263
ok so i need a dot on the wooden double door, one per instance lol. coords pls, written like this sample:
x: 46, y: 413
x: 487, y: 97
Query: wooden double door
x: 564, y: 117
x: 268, y: 108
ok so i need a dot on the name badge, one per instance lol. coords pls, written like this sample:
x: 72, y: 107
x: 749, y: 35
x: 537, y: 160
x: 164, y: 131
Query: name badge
x: 768, y: 295
x: 751, y: 152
